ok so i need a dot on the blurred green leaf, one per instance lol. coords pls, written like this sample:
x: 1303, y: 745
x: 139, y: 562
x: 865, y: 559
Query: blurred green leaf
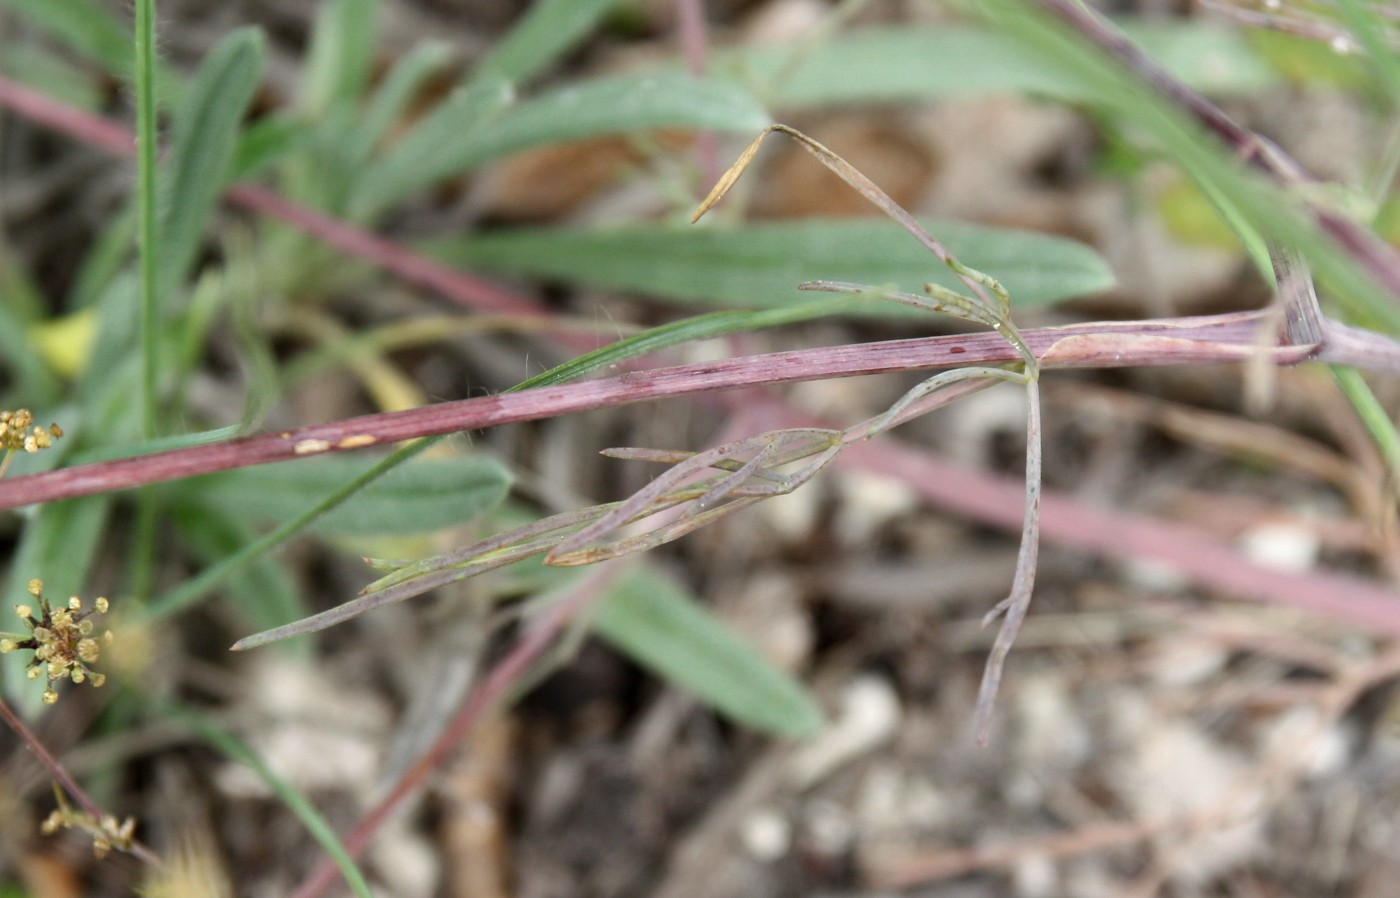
x: 399, y: 88
x: 444, y: 146
x: 1306, y: 61
x: 424, y: 154
x: 264, y: 142
x: 760, y: 265
x: 206, y: 129
x: 657, y: 623
x: 31, y: 382
x: 1378, y: 53
x: 417, y: 498
x: 903, y: 64
x: 104, y: 260
x: 544, y: 32
x: 91, y: 29
x: 46, y: 72
x: 341, y: 56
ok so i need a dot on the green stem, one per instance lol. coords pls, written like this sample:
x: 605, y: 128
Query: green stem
x: 148, y: 242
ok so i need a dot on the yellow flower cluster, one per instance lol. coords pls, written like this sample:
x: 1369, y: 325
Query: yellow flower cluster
x: 18, y: 431
x: 62, y: 640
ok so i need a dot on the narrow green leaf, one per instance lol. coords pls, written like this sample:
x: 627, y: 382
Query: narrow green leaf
x: 760, y: 265
x: 320, y: 829
x: 341, y: 55
x: 612, y: 105
x: 544, y: 33
x: 899, y: 65
x: 418, y: 498
x: 663, y: 628
x: 206, y: 135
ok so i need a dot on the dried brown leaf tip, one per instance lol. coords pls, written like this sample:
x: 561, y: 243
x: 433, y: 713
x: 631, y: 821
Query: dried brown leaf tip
x: 63, y: 640
x: 106, y: 831
x: 18, y: 432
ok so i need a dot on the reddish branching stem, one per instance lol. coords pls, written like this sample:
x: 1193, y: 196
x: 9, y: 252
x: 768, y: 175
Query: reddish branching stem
x: 1181, y: 341
x: 65, y: 779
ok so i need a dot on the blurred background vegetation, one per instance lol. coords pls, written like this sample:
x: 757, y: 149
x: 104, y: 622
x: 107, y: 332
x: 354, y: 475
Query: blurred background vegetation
x: 781, y: 704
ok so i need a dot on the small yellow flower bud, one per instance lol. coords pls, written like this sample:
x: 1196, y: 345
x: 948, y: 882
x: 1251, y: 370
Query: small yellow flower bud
x: 24, y: 611
x: 36, y: 586
x: 98, y: 680
x: 87, y: 650
x: 77, y: 675
x: 7, y: 645
x: 56, y: 431
x: 75, y: 603
x: 34, y: 673
x: 50, y: 697
x: 101, y: 605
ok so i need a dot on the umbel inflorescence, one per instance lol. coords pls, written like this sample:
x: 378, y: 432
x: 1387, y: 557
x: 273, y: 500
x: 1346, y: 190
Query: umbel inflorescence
x: 63, y: 640
x: 18, y: 432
